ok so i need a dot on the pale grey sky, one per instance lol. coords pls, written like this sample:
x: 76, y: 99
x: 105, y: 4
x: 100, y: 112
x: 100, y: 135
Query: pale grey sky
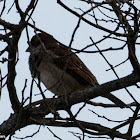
x: 55, y: 20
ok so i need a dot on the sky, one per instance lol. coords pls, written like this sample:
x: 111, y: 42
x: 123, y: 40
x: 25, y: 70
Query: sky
x: 53, y: 19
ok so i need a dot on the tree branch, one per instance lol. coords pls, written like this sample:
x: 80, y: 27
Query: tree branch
x: 90, y: 23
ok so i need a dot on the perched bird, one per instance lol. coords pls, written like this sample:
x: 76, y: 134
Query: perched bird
x: 59, y: 69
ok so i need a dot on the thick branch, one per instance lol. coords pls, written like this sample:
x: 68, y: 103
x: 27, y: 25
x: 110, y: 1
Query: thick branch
x: 7, y: 24
x: 60, y: 104
x: 12, y: 48
x: 131, y: 39
x: 82, y: 96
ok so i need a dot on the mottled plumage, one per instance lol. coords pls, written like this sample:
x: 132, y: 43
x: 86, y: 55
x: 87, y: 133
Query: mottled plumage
x: 58, y: 68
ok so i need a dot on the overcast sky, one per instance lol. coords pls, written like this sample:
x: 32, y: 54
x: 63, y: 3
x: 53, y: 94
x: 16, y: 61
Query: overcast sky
x: 53, y: 19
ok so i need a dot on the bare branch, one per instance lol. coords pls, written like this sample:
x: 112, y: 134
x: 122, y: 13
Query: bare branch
x: 3, y: 8
x: 90, y: 23
x: 133, y: 120
x: 54, y: 134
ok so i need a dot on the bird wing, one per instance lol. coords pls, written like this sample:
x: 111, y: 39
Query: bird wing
x: 72, y: 64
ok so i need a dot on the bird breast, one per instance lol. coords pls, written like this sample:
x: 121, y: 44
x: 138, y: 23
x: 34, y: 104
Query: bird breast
x: 56, y: 80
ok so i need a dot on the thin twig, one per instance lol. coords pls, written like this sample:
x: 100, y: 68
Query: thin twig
x: 3, y: 8
x: 30, y: 135
x: 54, y: 134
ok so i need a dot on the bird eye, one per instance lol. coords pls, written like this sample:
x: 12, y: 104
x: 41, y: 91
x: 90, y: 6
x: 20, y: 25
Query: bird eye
x: 36, y: 44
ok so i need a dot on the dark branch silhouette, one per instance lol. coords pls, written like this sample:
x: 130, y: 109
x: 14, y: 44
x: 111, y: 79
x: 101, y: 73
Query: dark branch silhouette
x: 125, y: 23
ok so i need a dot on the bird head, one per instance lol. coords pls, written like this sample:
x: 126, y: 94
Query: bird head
x: 38, y: 41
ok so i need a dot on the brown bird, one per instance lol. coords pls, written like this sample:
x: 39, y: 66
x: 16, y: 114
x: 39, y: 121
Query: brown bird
x: 59, y: 69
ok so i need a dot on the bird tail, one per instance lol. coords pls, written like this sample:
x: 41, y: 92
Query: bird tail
x: 115, y: 100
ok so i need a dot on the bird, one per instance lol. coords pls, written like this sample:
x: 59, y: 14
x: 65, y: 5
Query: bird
x: 59, y: 69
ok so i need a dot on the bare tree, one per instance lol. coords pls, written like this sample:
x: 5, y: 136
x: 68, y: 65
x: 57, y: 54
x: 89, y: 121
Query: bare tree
x: 123, y: 15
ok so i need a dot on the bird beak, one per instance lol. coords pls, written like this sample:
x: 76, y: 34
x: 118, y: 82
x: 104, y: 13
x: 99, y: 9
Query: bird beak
x: 28, y: 49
